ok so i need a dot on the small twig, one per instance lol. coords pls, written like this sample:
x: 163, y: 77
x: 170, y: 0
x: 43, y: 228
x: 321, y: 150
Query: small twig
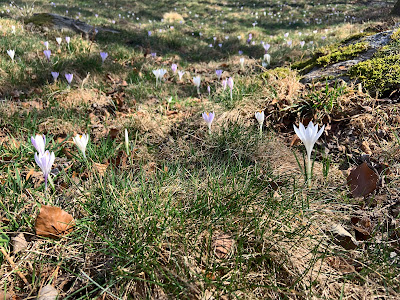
x: 11, y: 262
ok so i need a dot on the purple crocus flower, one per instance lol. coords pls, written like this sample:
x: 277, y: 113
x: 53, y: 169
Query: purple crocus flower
x: 55, y: 75
x: 39, y: 142
x: 208, y: 117
x: 46, y: 44
x: 219, y: 73
x: 153, y: 54
x: 69, y: 77
x: 240, y: 52
x: 149, y: 33
x: 250, y: 38
x: 45, y: 161
x: 103, y: 56
x: 174, y: 67
x: 47, y: 53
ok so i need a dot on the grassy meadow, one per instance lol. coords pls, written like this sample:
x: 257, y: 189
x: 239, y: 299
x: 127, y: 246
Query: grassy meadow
x: 176, y: 212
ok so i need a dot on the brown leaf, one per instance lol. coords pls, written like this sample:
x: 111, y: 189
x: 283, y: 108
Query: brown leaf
x: 362, y: 181
x: 362, y: 228
x: 222, y: 245
x: 340, y: 264
x: 101, y: 168
x: 53, y: 222
x: 120, y: 160
x: 113, y: 133
x: 19, y: 243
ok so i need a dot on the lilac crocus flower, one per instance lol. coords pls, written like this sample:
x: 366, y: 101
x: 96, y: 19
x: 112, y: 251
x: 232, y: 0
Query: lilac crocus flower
x: 208, y: 90
x: 208, y: 117
x: 39, y: 142
x: 149, y: 33
x: 266, y: 47
x: 55, y: 75
x: 219, y: 73
x: 240, y: 52
x: 67, y: 39
x: 103, y: 56
x: 230, y: 84
x: 47, y: 53
x: 69, y: 77
x: 153, y: 54
x: 174, y: 67
x: 45, y: 161
x: 224, y: 83
x: 46, y: 44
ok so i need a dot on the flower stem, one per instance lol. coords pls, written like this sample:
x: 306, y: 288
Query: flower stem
x: 261, y: 130
x: 309, y: 172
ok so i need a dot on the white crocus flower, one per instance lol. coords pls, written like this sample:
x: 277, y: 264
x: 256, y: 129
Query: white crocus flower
x: 196, y: 82
x: 126, y: 141
x: 242, y: 63
x: 81, y: 142
x: 267, y: 59
x: 59, y: 40
x: 309, y: 136
x: 159, y: 73
x: 11, y: 53
x: 260, y: 118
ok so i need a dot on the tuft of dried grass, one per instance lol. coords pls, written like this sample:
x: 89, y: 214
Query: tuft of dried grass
x: 173, y: 17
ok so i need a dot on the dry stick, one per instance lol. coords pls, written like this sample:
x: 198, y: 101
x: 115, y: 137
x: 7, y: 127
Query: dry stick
x: 11, y: 262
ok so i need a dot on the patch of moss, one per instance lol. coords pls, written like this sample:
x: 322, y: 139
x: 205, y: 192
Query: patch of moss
x: 379, y: 74
x: 42, y: 19
x: 325, y: 56
x: 357, y: 36
x: 395, y: 35
x: 280, y: 72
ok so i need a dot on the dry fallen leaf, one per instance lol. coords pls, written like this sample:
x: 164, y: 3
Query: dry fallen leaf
x: 362, y: 228
x: 343, y: 237
x: 113, y: 133
x: 53, y: 222
x: 340, y: 264
x: 101, y: 168
x: 47, y: 292
x: 222, y: 245
x: 362, y: 181
x: 19, y: 243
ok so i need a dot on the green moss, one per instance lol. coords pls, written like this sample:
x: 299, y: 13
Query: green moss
x: 42, y: 19
x: 379, y: 74
x: 325, y: 56
x: 357, y: 36
x: 280, y: 72
x: 395, y: 35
